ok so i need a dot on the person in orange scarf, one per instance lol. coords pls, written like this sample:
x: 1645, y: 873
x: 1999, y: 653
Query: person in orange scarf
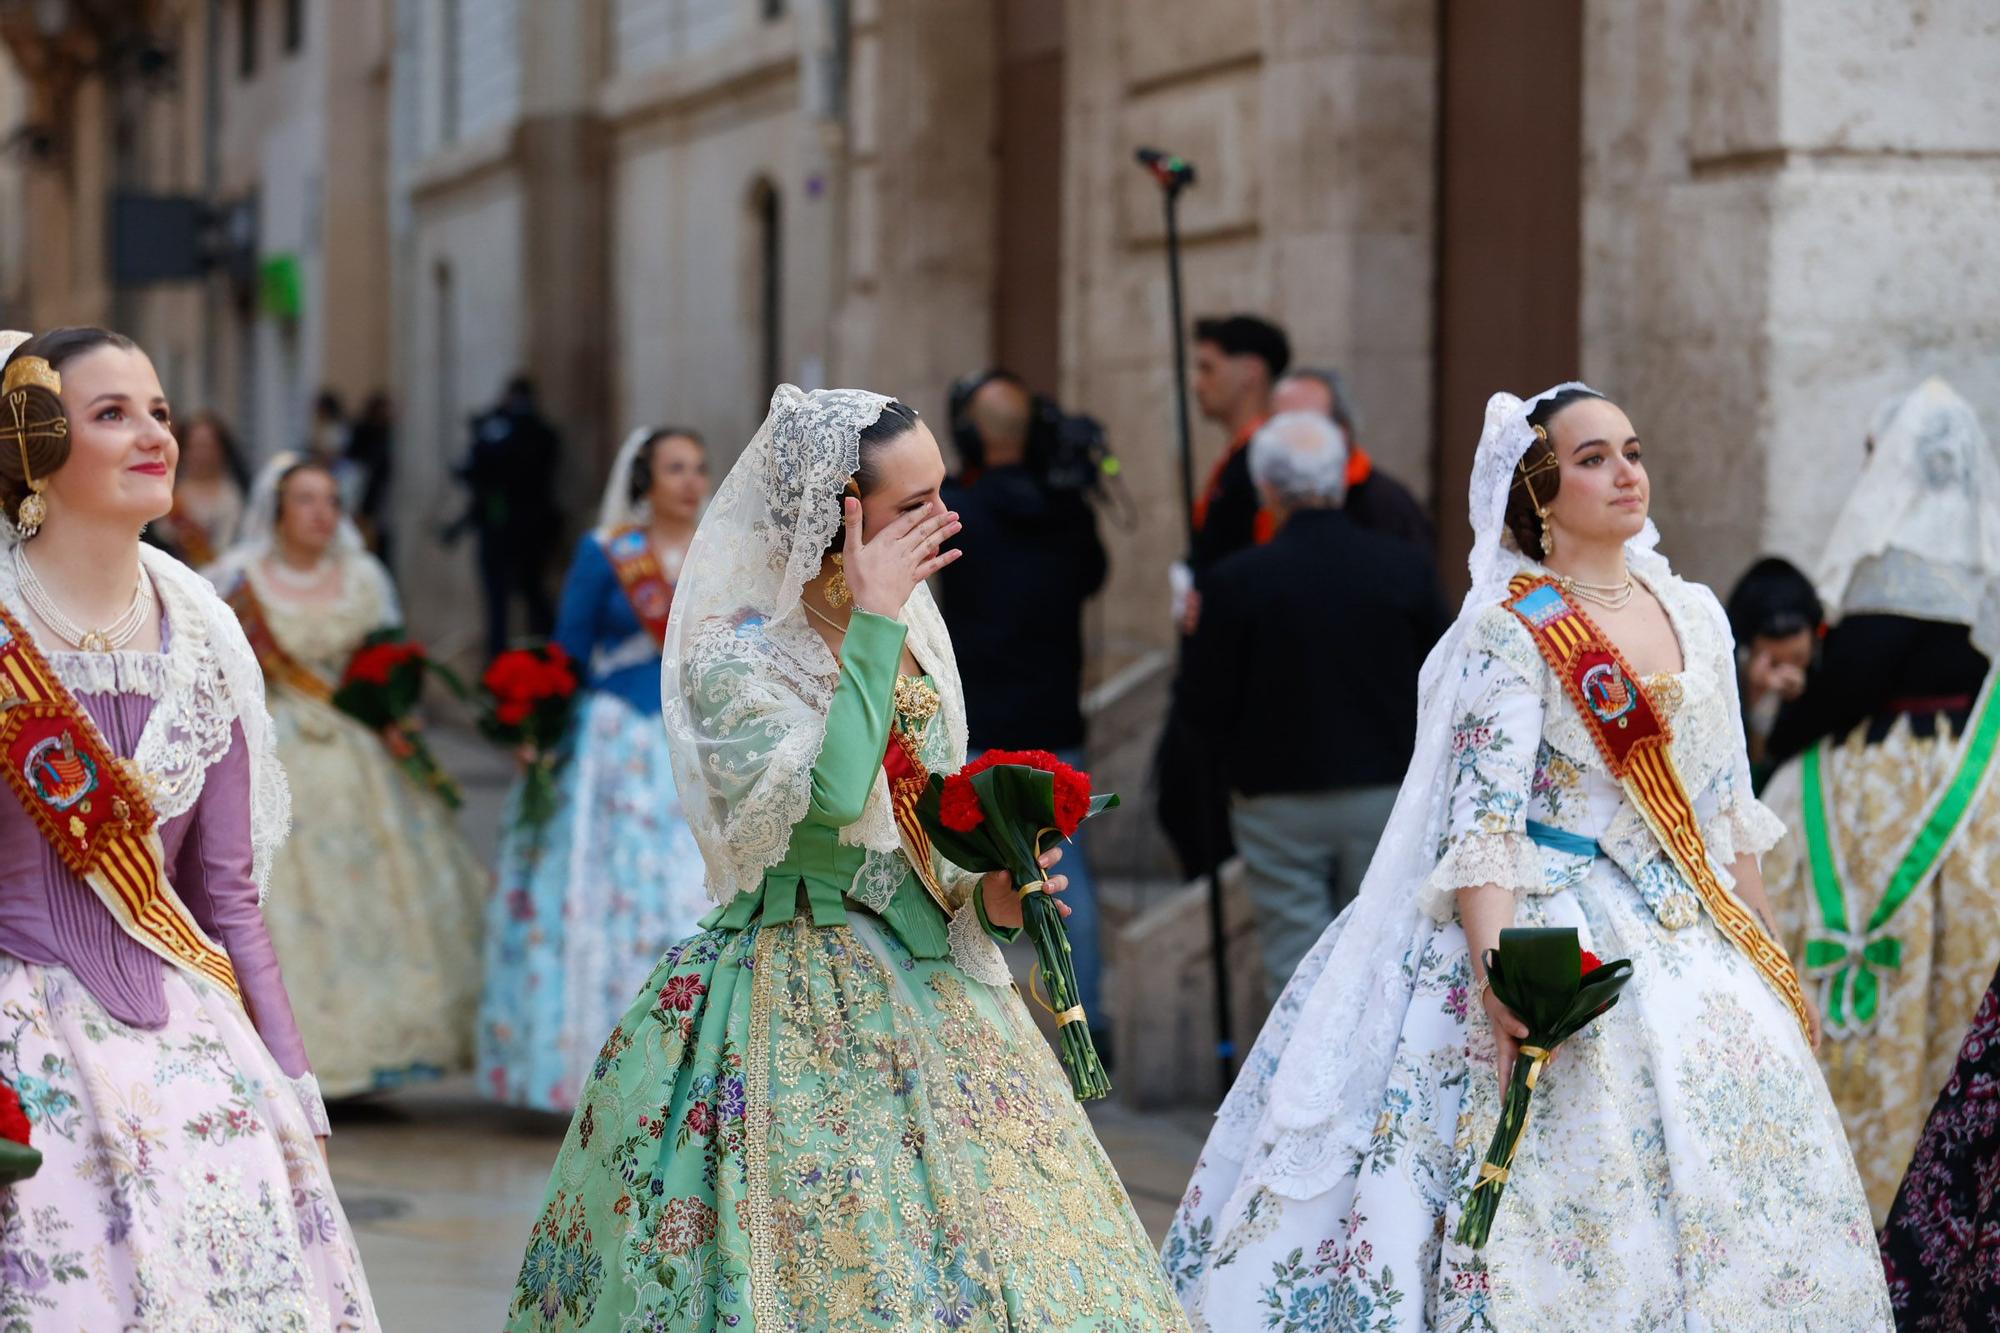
x: 1375, y: 500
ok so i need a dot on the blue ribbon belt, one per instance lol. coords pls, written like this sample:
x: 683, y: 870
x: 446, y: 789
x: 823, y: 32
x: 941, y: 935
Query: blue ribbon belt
x: 1561, y: 840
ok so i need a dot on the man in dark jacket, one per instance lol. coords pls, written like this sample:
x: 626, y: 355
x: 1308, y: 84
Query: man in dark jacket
x: 1014, y: 605
x: 511, y: 473
x: 1375, y: 500
x: 1303, y: 676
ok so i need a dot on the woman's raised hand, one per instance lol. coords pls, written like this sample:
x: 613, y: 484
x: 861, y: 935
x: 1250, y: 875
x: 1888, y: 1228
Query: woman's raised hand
x: 883, y: 571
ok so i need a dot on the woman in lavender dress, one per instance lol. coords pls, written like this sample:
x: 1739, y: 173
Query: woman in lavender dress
x: 184, y: 1182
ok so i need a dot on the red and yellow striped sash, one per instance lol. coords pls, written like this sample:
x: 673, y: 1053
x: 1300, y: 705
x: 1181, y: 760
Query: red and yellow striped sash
x: 908, y: 778
x: 639, y: 574
x: 1636, y: 742
x: 280, y: 667
x: 92, y: 810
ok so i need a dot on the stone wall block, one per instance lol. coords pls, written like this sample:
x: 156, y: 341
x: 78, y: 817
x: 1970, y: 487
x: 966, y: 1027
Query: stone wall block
x: 1215, y: 125
x: 1735, y: 84
x: 1339, y: 138
x: 1350, y: 27
x: 1904, y: 76
x: 1160, y: 39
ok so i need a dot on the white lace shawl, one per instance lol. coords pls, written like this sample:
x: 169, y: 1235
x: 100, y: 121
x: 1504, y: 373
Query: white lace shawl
x: 746, y: 682
x: 206, y: 682
x: 1919, y: 535
x: 1299, y: 1125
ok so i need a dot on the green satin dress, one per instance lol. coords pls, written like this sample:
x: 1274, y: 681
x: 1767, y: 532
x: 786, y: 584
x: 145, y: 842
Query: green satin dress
x: 812, y: 1119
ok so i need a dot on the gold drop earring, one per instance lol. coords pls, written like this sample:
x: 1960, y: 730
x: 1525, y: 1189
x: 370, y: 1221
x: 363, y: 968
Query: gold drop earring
x: 837, y: 593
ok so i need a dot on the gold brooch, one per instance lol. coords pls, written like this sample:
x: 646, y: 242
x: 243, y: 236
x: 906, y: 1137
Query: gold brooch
x: 916, y: 698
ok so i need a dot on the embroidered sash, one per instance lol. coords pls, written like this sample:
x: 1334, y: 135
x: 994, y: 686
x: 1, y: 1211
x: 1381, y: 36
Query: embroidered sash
x: 278, y: 665
x: 1636, y: 742
x: 908, y: 777
x: 1850, y: 962
x: 639, y: 573
x: 92, y: 809
x: 187, y: 533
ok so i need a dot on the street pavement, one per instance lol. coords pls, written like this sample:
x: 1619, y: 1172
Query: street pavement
x: 442, y: 1186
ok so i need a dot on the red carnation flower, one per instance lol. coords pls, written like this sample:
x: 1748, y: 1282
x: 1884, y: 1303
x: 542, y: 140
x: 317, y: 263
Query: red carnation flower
x: 371, y: 666
x: 1072, y: 791
x: 1591, y: 962
x: 513, y: 712
x: 958, y: 805
x: 14, y: 1122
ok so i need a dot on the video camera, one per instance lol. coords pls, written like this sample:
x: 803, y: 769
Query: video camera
x: 1068, y: 451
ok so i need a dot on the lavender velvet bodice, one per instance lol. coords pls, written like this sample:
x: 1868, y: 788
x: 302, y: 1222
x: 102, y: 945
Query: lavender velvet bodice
x: 50, y: 917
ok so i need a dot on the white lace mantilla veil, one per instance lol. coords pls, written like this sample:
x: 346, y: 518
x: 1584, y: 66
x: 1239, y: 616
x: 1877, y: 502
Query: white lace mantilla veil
x: 211, y: 682
x: 258, y: 530
x: 617, y: 509
x: 746, y: 681
x: 1919, y: 535
x: 1298, y: 1126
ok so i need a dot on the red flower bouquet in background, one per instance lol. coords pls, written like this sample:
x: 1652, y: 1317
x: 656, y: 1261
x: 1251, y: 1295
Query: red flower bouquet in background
x: 1557, y: 989
x: 1002, y: 811
x: 18, y: 1158
x: 381, y: 688
x: 529, y: 693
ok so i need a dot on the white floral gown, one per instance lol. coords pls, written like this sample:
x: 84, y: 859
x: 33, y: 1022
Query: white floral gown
x: 1683, y: 1167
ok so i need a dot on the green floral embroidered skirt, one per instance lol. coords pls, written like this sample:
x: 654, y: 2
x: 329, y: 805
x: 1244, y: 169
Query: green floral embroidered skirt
x: 799, y: 1127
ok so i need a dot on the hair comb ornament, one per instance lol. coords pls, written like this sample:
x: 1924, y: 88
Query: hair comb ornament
x: 23, y: 371
x: 22, y: 374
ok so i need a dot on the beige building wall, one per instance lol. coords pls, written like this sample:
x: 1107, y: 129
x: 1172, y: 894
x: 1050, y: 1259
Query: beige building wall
x: 1311, y: 126
x: 1792, y: 210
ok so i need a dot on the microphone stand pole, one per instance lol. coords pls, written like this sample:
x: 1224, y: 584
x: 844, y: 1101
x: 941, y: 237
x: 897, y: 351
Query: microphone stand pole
x: 1174, y: 174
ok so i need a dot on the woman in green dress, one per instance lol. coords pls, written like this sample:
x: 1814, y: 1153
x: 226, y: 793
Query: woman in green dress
x: 829, y: 1110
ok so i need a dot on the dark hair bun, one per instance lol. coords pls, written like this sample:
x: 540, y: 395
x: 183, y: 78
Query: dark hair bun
x: 34, y: 429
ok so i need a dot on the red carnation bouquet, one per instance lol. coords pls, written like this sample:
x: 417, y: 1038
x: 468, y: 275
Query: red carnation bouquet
x: 18, y: 1158
x: 1002, y: 811
x: 1557, y: 988
x: 381, y: 688
x: 529, y: 695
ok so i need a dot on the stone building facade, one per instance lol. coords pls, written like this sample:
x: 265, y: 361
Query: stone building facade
x: 272, y: 112
x: 1746, y: 219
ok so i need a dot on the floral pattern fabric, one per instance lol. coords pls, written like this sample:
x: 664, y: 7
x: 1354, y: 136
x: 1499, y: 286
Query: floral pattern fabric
x: 180, y: 1188
x: 1684, y: 1167
x: 805, y: 1127
x: 583, y: 907
x: 1884, y: 1082
x: 1941, y: 1245
x: 376, y: 900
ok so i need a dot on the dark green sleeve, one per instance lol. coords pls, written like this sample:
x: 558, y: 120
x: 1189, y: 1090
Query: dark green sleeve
x: 857, y: 725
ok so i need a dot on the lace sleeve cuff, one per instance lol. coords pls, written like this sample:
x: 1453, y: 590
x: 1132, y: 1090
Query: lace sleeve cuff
x: 306, y: 1088
x: 1747, y: 826
x: 1511, y: 860
x: 974, y: 950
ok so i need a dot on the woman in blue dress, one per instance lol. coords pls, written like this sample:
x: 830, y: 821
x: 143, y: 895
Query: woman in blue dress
x: 585, y: 902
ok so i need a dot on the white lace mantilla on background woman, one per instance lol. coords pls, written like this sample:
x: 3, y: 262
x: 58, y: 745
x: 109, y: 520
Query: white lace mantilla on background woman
x: 1683, y: 1167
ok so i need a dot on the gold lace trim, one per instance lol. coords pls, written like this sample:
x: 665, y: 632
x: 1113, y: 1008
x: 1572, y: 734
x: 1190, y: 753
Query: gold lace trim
x: 757, y: 1140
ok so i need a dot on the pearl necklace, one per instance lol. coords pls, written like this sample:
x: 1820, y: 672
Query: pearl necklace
x: 111, y: 638
x: 1610, y: 596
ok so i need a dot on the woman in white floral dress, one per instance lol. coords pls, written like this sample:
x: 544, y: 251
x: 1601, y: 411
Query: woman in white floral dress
x: 143, y: 1020
x: 378, y: 900
x: 1683, y: 1167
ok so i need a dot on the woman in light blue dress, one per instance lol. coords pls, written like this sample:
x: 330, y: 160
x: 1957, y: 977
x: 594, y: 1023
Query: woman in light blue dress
x: 585, y: 902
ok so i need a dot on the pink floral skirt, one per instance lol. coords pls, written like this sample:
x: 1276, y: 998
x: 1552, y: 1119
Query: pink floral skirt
x: 180, y: 1187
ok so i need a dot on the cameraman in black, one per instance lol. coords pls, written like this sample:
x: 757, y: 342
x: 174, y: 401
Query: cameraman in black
x: 1014, y: 604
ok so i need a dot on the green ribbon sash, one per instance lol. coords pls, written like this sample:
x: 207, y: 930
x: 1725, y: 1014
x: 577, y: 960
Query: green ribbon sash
x: 1851, y: 964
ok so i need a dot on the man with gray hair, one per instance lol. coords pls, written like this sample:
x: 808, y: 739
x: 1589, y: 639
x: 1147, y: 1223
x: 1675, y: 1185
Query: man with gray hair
x: 1303, y: 677
x: 1375, y: 500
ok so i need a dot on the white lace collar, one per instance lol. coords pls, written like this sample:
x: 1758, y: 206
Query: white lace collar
x: 201, y: 689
